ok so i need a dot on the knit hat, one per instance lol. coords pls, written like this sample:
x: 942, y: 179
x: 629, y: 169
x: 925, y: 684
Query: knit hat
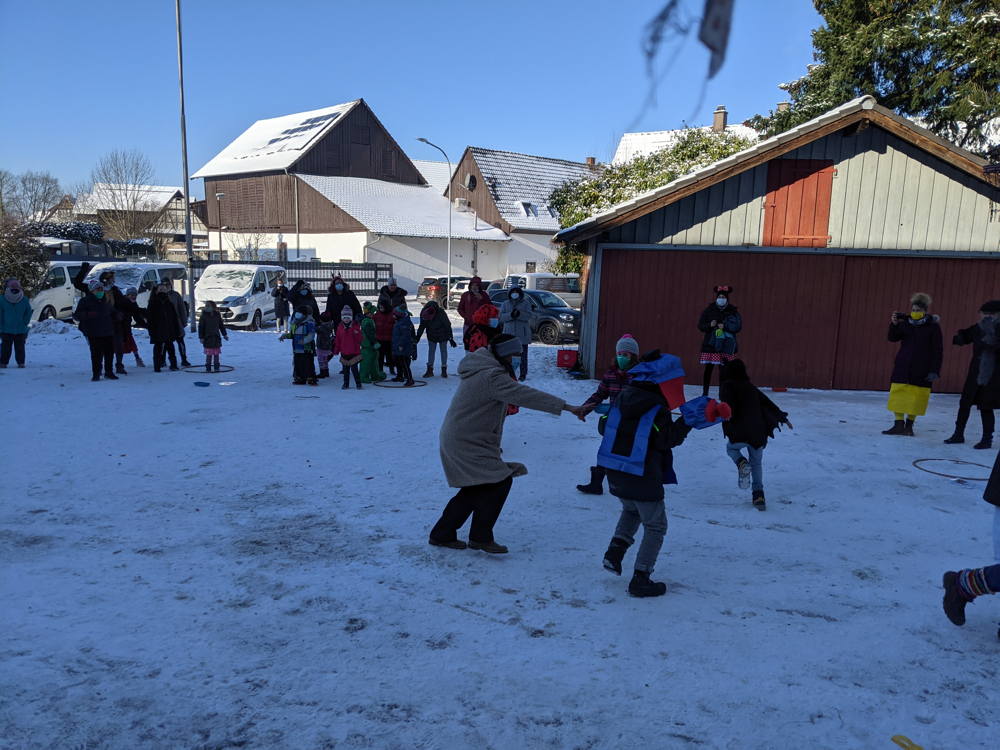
x: 627, y: 345
x: 347, y: 312
x: 326, y: 317
x: 993, y: 306
x: 96, y: 285
x: 506, y: 345
x: 921, y: 300
x: 723, y: 289
x: 392, y: 281
x: 131, y: 292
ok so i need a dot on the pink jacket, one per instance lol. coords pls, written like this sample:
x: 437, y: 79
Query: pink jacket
x: 348, y: 341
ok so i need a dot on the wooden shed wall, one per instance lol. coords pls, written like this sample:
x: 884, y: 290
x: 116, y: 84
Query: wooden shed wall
x: 810, y: 320
x: 480, y: 199
x: 887, y: 195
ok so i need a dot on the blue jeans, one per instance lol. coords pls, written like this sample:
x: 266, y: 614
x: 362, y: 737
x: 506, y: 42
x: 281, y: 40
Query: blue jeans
x: 996, y: 533
x: 756, y: 455
x: 652, y: 516
x: 431, y: 346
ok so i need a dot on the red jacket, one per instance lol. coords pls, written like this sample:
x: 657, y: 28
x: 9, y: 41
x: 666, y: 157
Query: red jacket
x: 469, y: 303
x: 384, y: 321
x: 348, y: 341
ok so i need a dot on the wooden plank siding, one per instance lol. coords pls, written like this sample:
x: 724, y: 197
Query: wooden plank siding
x: 810, y: 320
x: 797, y: 205
x: 887, y: 194
x: 480, y: 199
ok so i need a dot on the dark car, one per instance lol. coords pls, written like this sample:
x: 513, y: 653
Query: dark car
x: 552, y: 320
x: 433, y: 287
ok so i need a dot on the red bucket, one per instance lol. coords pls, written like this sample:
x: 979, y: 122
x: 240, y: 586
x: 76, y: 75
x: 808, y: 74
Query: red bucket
x: 566, y: 358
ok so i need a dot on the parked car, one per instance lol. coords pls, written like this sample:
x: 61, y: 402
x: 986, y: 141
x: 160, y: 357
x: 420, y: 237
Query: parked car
x: 566, y: 285
x: 457, y: 290
x: 494, y: 286
x: 432, y: 287
x: 143, y: 276
x: 553, y: 321
x: 57, y: 297
x: 241, y: 291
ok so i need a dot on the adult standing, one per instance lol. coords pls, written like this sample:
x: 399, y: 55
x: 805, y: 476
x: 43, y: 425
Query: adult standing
x: 182, y: 318
x: 515, y: 316
x: 95, y: 319
x: 164, y: 327
x: 392, y: 294
x: 15, y: 315
x: 918, y: 363
x: 302, y: 294
x: 471, y: 301
x: 434, y: 320
x: 470, y: 443
x: 982, y: 382
x: 719, y: 322
x: 340, y: 294
x: 281, y: 295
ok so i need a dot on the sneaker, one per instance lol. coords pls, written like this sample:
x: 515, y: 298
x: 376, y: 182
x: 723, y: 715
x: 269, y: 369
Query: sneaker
x: 614, y: 556
x: 955, y: 598
x: 452, y: 544
x: 743, y: 467
x: 642, y: 586
x: 492, y: 547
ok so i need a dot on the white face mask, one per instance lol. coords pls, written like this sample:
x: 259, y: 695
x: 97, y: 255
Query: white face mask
x: 721, y: 301
x: 299, y: 316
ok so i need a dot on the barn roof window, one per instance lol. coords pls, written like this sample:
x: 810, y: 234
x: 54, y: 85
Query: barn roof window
x: 529, y: 209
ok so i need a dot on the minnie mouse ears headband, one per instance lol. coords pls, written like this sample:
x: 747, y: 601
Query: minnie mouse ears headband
x: 723, y: 289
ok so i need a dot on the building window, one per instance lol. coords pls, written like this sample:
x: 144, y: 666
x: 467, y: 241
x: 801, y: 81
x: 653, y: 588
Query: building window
x: 529, y: 266
x: 389, y: 162
x: 530, y: 209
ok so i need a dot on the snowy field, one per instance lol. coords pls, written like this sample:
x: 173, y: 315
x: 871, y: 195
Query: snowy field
x: 246, y: 565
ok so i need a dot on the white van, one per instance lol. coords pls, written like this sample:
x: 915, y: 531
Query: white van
x: 57, y: 297
x: 242, y: 292
x: 566, y: 285
x: 143, y: 276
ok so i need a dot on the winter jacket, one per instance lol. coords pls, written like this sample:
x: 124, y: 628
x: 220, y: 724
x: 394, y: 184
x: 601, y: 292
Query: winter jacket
x: 732, y: 323
x: 94, y: 317
x: 14, y: 316
x: 920, y: 353
x: 515, y: 317
x: 986, y: 396
x: 368, y: 337
x: 325, y: 335
x: 384, y: 322
x: 473, y: 426
x: 335, y: 300
x: 348, y: 341
x: 470, y: 302
x: 392, y: 299
x: 162, y: 320
x: 296, y: 300
x: 992, y: 493
x: 281, y: 295
x: 631, y: 412
x: 435, y: 321
x: 404, y: 338
x: 303, y: 336
x: 211, y: 329
x: 482, y: 333
x: 178, y: 302
x: 755, y: 416
x: 611, y: 385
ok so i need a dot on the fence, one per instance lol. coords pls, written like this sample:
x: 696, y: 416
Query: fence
x: 365, y: 279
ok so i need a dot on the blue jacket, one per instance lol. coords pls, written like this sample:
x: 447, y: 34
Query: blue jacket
x: 404, y: 338
x: 303, y: 335
x: 14, y: 317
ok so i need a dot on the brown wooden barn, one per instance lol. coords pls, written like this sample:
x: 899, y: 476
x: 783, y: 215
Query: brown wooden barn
x: 823, y: 230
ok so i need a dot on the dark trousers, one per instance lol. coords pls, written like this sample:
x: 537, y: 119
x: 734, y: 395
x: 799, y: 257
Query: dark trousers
x: 12, y: 342
x: 524, y: 362
x: 385, y: 359
x: 102, y: 351
x: 964, y: 410
x: 161, y: 352
x: 182, y: 351
x: 481, y: 501
x: 403, y: 371
x: 347, y: 375
x: 706, y: 378
x: 303, y: 366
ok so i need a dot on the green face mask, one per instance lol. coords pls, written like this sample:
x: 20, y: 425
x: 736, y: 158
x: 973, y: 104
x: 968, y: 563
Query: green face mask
x: 624, y: 361
x: 99, y: 295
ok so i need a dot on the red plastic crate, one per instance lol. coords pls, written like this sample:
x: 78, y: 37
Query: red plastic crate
x: 566, y: 358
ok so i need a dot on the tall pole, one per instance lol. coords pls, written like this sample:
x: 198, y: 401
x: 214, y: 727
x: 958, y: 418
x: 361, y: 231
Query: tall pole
x: 187, y: 182
x: 447, y: 291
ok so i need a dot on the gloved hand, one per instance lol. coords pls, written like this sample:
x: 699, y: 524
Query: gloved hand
x: 453, y: 344
x: 932, y: 376
x: 515, y: 314
x: 716, y: 410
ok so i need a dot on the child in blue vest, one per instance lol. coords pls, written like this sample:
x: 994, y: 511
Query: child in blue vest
x: 303, y: 335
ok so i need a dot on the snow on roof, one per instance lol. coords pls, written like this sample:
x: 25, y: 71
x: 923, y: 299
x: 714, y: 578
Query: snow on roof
x: 435, y: 172
x: 402, y: 210
x: 521, y: 185
x: 276, y: 143
x: 105, y: 196
x: 632, y: 145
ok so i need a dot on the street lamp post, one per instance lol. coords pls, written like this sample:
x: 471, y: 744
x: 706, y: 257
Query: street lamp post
x: 218, y: 201
x: 187, y: 180
x: 447, y: 291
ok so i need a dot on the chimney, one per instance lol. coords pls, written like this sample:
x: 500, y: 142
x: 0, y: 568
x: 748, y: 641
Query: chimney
x: 591, y: 161
x: 783, y: 106
x: 719, y: 118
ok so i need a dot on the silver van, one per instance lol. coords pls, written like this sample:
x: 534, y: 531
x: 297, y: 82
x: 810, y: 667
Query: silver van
x: 57, y: 296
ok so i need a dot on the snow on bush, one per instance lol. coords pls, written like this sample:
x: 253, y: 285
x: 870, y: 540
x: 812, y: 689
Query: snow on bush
x: 52, y: 326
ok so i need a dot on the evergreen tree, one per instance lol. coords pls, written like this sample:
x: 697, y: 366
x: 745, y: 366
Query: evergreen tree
x: 21, y: 257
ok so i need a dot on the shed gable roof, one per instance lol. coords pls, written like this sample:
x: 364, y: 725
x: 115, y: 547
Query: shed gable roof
x: 104, y: 196
x: 863, y: 108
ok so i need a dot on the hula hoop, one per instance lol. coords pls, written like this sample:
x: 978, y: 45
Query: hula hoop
x: 393, y: 384
x: 916, y: 465
x: 200, y: 369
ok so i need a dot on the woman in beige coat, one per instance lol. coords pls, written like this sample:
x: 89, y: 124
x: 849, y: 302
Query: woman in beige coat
x: 470, y: 443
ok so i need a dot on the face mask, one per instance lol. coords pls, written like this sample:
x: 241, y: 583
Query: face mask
x: 721, y: 301
x: 304, y: 292
x: 624, y: 361
x: 515, y: 363
x: 339, y: 287
x: 917, y: 315
x: 299, y: 316
x: 99, y: 295
x: 494, y: 322
x: 515, y: 297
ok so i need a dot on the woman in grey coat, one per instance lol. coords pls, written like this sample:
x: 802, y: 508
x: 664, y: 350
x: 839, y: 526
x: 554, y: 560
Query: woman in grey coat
x: 470, y: 443
x: 515, y: 315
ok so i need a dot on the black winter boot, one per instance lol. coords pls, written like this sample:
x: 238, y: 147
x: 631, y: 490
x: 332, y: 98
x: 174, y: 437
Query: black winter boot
x: 758, y: 500
x: 596, y: 485
x: 615, y: 554
x: 984, y: 444
x: 955, y: 598
x: 641, y: 586
x: 908, y: 428
x: 957, y: 438
x: 430, y: 372
x: 896, y: 429
x: 324, y: 372
x: 444, y: 371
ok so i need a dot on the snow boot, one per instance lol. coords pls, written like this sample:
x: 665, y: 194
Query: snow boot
x: 215, y: 367
x: 896, y: 429
x: 444, y: 372
x: 324, y: 372
x: 955, y: 598
x: 743, y: 467
x: 110, y: 376
x: 758, y: 500
x: 430, y: 372
x: 452, y: 544
x: 299, y: 381
x: 138, y: 361
x: 94, y: 378
x: 596, y: 485
x: 957, y: 438
x: 908, y: 428
x: 313, y: 381
x: 409, y: 382
x: 492, y: 547
x: 641, y: 586
x: 984, y: 444
x: 615, y: 554
x: 120, y: 369
x: 208, y: 367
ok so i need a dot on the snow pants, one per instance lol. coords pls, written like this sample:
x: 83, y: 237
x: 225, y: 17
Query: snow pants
x: 481, y: 501
x: 385, y: 359
x: 756, y: 456
x: 303, y: 367
x: 12, y: 342
x: 652, y: 516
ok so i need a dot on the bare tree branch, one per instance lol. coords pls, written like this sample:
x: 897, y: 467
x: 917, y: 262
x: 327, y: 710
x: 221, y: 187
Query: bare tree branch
x: 32, y: 197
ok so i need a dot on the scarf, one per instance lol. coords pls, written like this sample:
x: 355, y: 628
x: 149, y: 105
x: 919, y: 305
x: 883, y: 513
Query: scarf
x: 13, y: 295
x: 988, y: 357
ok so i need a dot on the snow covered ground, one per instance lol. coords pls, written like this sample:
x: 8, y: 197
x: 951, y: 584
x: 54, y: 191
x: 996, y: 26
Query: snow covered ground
x: 245, y: 565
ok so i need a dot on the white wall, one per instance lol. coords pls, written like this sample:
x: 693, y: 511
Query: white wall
x: 413, y: 258
x: 329, y: 247
x: 526, y: 247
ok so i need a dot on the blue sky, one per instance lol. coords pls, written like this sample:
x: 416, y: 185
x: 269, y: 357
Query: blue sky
x: 561, y: 78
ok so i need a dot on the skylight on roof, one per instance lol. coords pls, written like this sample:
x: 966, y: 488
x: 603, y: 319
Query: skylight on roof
x: 529, y: 209
x: 306, y: 126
